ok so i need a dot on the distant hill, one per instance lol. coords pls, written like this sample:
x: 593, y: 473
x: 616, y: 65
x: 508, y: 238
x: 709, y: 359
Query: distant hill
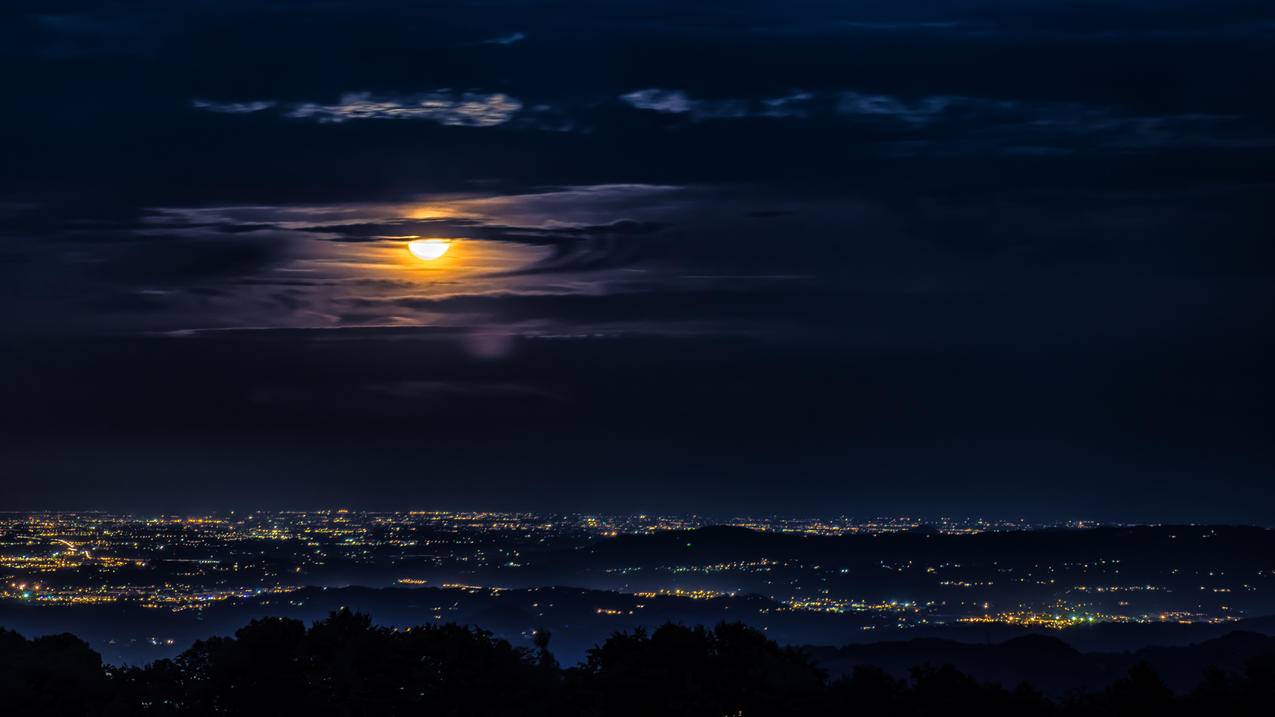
x: 346, y: 664
x: 1049, y: 663
x: 1235, y: 545
x: 581, y: 618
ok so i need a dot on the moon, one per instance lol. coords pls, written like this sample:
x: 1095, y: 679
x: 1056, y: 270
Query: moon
x: 428, y: 249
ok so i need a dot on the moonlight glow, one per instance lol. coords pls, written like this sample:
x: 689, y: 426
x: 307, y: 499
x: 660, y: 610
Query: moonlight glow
x: 428, y: 249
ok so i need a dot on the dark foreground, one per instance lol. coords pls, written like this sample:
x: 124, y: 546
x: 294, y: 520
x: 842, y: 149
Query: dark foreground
x: 345, y: 665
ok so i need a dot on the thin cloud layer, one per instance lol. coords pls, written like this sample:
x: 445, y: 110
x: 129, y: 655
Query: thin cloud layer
x: 233, y: 108
x: 465, y: 109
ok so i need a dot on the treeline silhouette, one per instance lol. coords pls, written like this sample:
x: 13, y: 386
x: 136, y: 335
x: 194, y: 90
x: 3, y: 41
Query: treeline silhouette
x: 345, y: 665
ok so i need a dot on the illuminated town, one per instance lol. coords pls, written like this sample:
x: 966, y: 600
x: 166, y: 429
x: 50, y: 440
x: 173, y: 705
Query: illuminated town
x: 910, y: 573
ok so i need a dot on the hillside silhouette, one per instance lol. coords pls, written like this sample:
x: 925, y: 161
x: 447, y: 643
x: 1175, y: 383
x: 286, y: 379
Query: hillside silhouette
x: 346, y: 665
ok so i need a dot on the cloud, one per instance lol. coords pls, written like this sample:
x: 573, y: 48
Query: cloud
x: 509, y: 39
x: 918, y: 112
x: 830, y: 104
x: 953, y: 125
x: 672, y: 101
x: 236, y: 108
x: 804, y: 104
x: 469, y: 109
x: 793, y: 105
x: 678, y: 102
x: 650, y: 308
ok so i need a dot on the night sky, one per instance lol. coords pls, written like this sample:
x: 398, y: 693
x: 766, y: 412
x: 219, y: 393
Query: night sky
x: 858, y: 257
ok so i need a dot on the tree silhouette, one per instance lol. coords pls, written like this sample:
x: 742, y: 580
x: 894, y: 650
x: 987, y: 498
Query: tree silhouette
x: 345, y: 665
x: 51, y: 675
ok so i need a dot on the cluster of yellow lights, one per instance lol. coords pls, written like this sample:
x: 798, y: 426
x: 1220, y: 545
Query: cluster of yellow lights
x: 1053, y: 621
x: 679, y: 592
x: 471, y: 588
x: 825, y: 604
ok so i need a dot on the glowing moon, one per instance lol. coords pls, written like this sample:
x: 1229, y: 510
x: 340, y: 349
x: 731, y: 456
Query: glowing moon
x: 428, y: 249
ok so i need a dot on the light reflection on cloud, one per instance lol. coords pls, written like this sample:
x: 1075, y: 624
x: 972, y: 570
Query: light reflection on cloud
x: 332, y: 280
